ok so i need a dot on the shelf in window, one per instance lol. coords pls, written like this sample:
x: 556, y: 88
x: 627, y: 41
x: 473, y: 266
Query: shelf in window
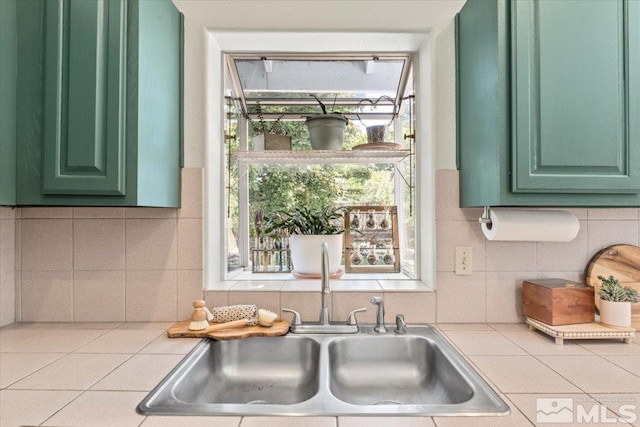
x: 322, y: 156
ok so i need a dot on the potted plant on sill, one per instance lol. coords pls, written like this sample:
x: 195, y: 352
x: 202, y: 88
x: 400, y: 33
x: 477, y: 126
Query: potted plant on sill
x: 308, y: 228
x: 615, y: 302
x: 326, y: 130
x: 270, y: 135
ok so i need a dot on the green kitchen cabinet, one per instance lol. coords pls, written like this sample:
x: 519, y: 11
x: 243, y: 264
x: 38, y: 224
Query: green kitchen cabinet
x: 99, y: 110
x: 8, y: 75
x: 548, y: 103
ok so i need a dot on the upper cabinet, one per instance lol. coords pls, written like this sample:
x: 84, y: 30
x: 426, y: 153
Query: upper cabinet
x: 548, y: 96
x: 99, y: 103
x: 8, y: 72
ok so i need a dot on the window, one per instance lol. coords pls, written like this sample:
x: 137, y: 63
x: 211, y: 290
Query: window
x: 237, y: 179
x: 273, y: 94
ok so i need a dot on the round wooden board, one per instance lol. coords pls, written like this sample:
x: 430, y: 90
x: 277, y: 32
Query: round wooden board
x: 621, y: 262
x: 379, y: 146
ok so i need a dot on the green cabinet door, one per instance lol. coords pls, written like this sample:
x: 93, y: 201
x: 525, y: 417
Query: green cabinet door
x: 85, y: 97
x: 575, y: 82
x: 99, y: 103
x: 548, y: 103
x: 8, y: 75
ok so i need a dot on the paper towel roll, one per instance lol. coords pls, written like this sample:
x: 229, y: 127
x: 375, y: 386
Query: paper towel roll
x: 531, y: 226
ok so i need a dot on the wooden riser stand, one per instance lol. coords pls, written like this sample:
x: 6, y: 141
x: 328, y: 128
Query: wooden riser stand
x: 582, y: 331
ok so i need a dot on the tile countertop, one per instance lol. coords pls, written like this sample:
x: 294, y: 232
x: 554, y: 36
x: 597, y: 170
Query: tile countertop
x: 96, y: 374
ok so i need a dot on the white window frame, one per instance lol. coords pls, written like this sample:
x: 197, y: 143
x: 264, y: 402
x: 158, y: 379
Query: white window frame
x: 216, y: 43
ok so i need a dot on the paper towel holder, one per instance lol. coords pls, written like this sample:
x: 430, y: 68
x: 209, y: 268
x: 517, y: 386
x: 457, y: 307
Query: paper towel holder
x: 486, y: 217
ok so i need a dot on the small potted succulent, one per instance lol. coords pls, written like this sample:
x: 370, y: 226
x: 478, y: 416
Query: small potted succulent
x: 326, y: 130
x: 308, y: 228
x: 615, y: 302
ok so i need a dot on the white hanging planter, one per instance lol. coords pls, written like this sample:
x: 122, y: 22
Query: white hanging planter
x: 615, y: 313
x: 305, y: 252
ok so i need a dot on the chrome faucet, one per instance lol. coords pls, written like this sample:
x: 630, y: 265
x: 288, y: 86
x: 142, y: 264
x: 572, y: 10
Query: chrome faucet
x: 379, y: 328
x: 324, y: 326
x: 324, y: 282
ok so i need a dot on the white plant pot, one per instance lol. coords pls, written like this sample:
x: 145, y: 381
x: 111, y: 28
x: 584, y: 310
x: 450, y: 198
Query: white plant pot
x: 326, y: 131
x: 306, y: 254
x: 615, y: 313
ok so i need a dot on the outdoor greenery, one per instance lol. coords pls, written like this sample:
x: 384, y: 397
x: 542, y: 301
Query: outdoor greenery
x: 282, y: 187
x: 612, y: 290
x: 277, y: 188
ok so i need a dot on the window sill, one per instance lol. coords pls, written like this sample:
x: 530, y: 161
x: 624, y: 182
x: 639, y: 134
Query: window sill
x: 247, y: 281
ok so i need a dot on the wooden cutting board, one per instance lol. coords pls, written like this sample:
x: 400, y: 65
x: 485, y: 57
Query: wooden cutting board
x: 181, y: 330
x: 621, y: 262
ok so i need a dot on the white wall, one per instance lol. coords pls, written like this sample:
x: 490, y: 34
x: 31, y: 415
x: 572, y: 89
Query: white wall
x: 445, y: 98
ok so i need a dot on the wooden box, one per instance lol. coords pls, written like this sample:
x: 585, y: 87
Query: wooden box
x: 271, y: 141
x: 558, y: 301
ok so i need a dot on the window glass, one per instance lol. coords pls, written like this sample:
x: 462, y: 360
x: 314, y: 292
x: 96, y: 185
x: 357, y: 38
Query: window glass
x: 274, y: 98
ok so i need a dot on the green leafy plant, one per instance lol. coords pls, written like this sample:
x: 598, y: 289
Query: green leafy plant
x: 612, y: 290
x: 305, y: 220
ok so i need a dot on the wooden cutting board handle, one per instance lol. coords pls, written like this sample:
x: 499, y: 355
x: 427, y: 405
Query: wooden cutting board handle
x: 228, y: 325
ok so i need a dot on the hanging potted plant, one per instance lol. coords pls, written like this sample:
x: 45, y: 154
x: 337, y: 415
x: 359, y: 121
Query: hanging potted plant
x: 308, y: 229
x: 615, y: 302
x: 326, y: 130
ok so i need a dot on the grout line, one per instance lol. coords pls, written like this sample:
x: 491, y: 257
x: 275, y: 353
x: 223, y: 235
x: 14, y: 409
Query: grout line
x: 514, y: 406
x: 62, y: 354
x: 124, y: 219
x: 73, y: 268
x: 63, y: 406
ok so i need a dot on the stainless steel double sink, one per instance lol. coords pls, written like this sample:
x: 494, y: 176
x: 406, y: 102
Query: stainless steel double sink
x: 417, y: 373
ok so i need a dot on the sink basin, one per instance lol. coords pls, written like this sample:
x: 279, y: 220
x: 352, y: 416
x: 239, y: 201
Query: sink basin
x: 259, y: 370
x: 393, y: 370
x: 418, y: 373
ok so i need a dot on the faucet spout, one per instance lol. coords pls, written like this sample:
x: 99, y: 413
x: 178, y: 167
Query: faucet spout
x: 324, y: 327
x: 326, y: 286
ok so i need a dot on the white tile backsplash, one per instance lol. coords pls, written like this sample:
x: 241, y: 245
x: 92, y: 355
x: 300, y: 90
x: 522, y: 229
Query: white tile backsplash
x: 145, y: 264
x: 507, y: 264
x: 450, y: 234
x: 461, y: 299
x: 98, y: 296
x: 610, y: 232
x: 47, y: 296
x: 47, y: 244
x: 504, y: 295
x: 574, y: 255
x: 511, y: 256
x: 98, y: 244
